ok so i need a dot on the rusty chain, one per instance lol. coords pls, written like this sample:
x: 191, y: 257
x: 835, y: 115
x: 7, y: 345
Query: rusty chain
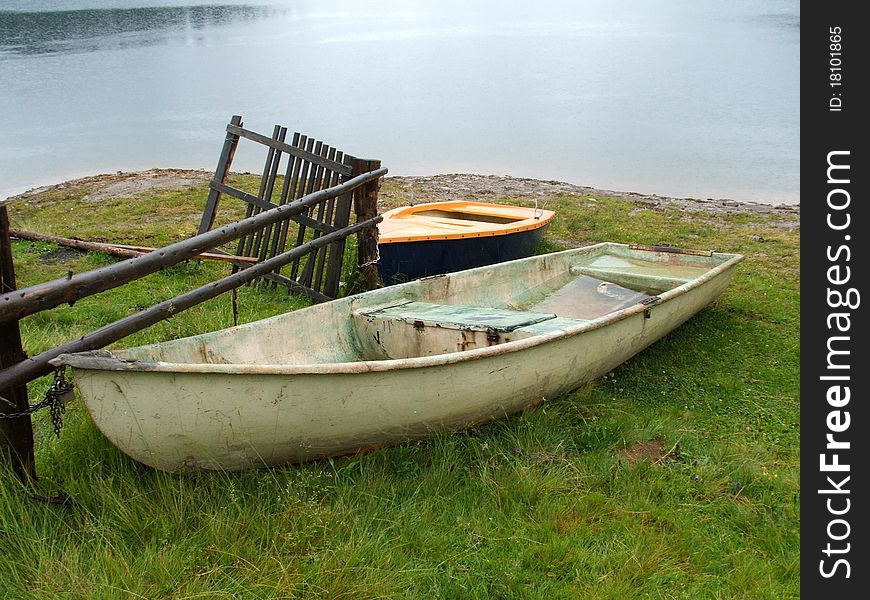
x: 55, y: 399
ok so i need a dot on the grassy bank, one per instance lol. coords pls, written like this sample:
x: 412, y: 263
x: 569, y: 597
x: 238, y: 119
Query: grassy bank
x: 675, y: 476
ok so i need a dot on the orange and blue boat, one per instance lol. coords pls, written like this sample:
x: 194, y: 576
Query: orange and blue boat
x: 444, y: 237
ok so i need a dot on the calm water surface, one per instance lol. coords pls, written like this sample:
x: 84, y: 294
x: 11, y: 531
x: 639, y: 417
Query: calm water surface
x: 681, y: 97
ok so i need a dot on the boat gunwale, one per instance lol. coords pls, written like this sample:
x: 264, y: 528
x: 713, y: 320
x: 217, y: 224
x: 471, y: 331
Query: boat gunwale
x: 105, y: 361
x: 519, y: 226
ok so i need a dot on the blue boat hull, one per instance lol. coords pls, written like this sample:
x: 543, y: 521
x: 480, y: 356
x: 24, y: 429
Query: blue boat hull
x: 403, y: 261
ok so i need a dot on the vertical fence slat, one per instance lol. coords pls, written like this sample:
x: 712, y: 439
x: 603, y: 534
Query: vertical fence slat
x: 304, y: 177
x: 287, y: 195
x: 311, y: 185
x: 220, y: 176
x: 261, y: 243
x: 321, y: 177
x: 331, y: 180
x: 246, y: 244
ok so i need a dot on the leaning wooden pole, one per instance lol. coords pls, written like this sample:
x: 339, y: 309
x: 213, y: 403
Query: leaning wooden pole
x: 18, y: 304
x: 16, y: 434
x: 40, y: 364
x: 221, y: 173
x: 121, y: 250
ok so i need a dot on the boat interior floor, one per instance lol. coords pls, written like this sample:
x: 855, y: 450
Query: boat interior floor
x: 408, y: 329
x: 588, y: 298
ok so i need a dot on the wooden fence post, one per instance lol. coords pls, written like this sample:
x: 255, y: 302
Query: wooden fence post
x: 365, y: 206
x: 16, y: 435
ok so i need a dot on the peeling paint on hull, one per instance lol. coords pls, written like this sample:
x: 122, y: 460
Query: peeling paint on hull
x: 359, y: 372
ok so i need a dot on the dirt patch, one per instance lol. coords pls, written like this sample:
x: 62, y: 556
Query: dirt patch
x: 152, y: 180
x: 122, y: 184
x: 60, y: 255
x: 652, y: 450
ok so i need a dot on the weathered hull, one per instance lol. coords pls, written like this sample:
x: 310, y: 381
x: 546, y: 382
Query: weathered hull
x: 403, y: 261
x: 445, y: 237
x: 226, y: 415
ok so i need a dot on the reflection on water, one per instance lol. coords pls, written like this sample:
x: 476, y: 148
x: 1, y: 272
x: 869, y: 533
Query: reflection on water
x: 694, y: 98
x: 90, y: 30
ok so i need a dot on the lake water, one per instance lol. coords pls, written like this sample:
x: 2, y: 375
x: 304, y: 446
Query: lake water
x: 694, y: 98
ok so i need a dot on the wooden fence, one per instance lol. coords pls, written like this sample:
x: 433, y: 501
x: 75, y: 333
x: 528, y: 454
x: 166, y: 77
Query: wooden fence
x: 327, y: 187
x: 310, y: 165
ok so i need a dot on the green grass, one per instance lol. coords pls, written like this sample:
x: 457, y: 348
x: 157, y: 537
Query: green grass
x: 545, y: 504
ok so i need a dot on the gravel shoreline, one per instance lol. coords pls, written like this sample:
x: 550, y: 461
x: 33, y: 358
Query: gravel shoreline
x: 453, y: 186
x: 464, y: 186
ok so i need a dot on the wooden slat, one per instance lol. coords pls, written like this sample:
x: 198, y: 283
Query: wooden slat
x: 295, y: 286
x: 304, y: 176
x: 312, y: 224
x: 305, y: 143
x: 311, y: 185
x: 328, y: 218
x: 287, y: 195
x: 292, y: 166
x: 321, y: 176
x: 327, y: 254
x: 241, y: 195
x: 261, y: 246
x: 263, y: 205
x: 246, y: 245
x: 296, y: 188
x: 292, y: 162
x: 255, y: 208
x: 336, y: 254
x: 301, y: 152
x: 220, y: 176
x: 262, y: 237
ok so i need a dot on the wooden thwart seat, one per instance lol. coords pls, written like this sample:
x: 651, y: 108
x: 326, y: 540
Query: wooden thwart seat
x: 652, y: 283
x: 459, y: 316
x: 414, y: 329
x: 649, y: 276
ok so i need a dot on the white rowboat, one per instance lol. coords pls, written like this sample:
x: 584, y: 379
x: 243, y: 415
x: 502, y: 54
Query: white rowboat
x: 394, y: 364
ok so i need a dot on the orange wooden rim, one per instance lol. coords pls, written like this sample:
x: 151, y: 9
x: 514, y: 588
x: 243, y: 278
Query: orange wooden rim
x: 406, y: 224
